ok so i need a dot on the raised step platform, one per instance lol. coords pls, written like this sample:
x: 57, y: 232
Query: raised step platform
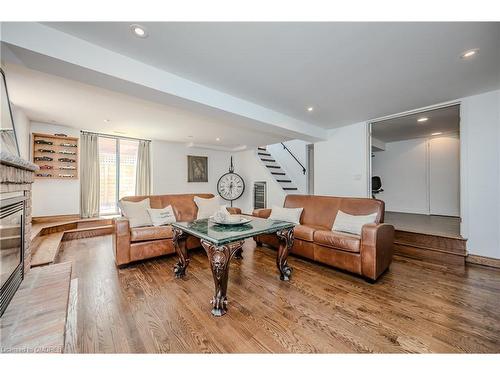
x: 35, y: 320
x: 441, y: 249
x: 46, y: 236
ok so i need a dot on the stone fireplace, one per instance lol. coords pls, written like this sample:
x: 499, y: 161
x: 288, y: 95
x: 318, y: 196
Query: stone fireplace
x: 16, y: 178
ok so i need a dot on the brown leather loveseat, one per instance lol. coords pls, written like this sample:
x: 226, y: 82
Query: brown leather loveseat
x: 133, y: 244
x: 368, y: 255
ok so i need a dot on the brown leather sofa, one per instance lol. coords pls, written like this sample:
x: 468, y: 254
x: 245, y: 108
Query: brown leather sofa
x: 133, y: 244
x: 368, y: 255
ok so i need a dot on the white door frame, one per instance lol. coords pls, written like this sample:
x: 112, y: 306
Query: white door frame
x: 463, y: 153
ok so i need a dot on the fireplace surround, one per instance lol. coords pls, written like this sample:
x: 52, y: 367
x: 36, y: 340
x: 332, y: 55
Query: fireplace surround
x: 16, y: 177
x: 12, y: 233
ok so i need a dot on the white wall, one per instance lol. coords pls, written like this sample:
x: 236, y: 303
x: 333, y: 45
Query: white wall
x: 480, y: 173
x: 444, y: 175
x: 402, y: 168
x: 289, y: 164
x: 344, y: 155
x: 22, y: 126
x: 55, y: 197
x: 341, y: 162
x: 251, y: 169
x: 420, y: 176
x: 169, y: 164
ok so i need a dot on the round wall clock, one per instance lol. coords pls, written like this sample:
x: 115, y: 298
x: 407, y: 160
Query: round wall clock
x: 230, y: 185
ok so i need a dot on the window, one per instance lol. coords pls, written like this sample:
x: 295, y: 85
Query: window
x: 118, y: 162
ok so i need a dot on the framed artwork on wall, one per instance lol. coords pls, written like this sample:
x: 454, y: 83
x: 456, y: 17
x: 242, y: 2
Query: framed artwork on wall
x: 197, y: 168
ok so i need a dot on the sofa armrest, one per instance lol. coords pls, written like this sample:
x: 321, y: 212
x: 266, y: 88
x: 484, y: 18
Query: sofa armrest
x: 121, y: 240
x: 234, y: 210
x: 377, y: 247
x: 262, y: 212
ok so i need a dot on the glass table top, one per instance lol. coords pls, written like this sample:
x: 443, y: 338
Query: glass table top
x: 223, y: 234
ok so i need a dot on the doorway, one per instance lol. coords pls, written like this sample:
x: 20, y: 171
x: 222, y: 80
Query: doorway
x: 415, y: 170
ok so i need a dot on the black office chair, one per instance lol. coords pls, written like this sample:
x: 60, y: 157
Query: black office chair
x: 376, y: 186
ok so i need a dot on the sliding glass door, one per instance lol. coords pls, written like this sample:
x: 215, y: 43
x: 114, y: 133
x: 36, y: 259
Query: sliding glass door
x: 118, y: 163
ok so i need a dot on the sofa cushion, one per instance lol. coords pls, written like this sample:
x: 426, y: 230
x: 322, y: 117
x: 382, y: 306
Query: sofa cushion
x: 151, y: 233
x: 338, y: 240
x: 206, y: 206
x: 136, y: 212
x: 291, y: 215
x: 352, y: 223
x: 306, y: 232
x: 162, y: 216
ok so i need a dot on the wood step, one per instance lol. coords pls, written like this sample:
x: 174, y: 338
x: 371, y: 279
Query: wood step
x: 290, y: 188
x: 287, y: 181
x: 278, y: 173
x: 262, y: 148
x: 264, y: 153
x: 270, y: 160
x: 87, y: 232
x: 47, y: 250
x: 430, y: 248
x: 273, y: 166
x: 36, y: 317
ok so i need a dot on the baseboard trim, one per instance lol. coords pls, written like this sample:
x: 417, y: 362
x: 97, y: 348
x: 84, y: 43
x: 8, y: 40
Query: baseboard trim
x: 54, y: 218
x: 483, y: 261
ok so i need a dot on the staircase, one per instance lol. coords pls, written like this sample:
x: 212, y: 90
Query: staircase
x: 276, y: 170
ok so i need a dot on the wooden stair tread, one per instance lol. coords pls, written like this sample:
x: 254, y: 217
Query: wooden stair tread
x: 36, y: 317
x: 47, y: 250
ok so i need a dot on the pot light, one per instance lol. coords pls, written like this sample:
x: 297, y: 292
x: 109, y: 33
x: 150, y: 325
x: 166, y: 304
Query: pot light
x: 310, y: 109
x: 469, y: 53
x: 437, y: 133
x: 217, y: 139
x: 422, y: 119
x: 139, y: 31
x: 107, y: 120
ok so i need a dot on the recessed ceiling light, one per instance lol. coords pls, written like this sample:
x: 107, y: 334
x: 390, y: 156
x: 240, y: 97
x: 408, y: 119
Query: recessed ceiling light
x: 469, y: 53
x: 422, y: 119
x: 139, y: 31
x: 217, y: 139
x: 310, y: 109
x: 437, y: 133
x: 107, y: 120
x: 190, y: 136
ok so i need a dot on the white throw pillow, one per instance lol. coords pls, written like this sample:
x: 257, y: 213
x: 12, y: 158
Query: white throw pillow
x: 206, y: 206
x: 162, y: 216
x: 352, y: 223
x: 291, y: 215
x: 136, y: 212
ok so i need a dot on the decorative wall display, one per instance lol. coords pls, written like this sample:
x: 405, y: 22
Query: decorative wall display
x: 197, y: 168
x: 56, y: 155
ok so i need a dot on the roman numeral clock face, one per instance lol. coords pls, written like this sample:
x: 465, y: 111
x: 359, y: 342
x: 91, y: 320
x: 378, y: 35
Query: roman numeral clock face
x: 230, y: 186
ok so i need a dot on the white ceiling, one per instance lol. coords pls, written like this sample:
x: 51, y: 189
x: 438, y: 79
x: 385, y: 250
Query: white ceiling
x: 349, y: 72
x: 52, y: 99
x: 442, y: 120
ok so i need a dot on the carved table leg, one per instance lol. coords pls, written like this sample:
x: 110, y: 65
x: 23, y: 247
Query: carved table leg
x: 239, y: 253
x: 285, y: 237
x: 179, y: 240
x: 219, y: 258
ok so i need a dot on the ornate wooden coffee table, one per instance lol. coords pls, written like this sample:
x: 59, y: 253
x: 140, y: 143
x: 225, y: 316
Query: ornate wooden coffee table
x: 222, y: 242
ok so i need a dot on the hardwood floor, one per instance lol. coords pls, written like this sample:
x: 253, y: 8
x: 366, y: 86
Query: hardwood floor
x: 415, y: 307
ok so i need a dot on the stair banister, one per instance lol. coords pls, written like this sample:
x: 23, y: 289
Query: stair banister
x: 293, y: 156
